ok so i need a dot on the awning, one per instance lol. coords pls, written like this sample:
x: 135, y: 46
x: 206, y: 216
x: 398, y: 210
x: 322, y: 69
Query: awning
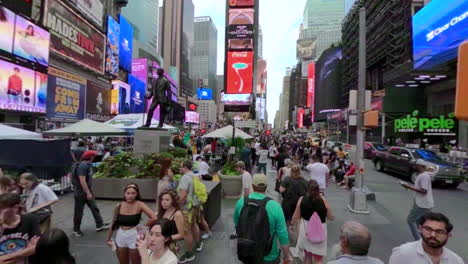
x: 86, y: 127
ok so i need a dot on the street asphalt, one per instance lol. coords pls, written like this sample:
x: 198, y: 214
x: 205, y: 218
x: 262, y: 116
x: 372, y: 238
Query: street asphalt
x: 386, y: 221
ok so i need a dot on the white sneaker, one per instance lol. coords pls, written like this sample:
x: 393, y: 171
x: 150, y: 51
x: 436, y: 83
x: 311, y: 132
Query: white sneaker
x: 206, y: 235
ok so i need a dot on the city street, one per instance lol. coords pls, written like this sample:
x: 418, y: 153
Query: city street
x: 387, y: 221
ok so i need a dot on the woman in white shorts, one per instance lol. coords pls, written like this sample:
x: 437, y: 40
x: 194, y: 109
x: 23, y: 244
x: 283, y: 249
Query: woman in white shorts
x: 127, y: 216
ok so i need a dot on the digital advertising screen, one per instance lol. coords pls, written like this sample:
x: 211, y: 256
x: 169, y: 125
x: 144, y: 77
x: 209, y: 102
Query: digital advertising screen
x: 31, y: 41
x: 260, y: 106
x: 66, y: 96
x: 115, y: 99
x: 311, y: 87
x: 204, y: 94
x: 300, y: 117
x: 239, y: 72
x: 123, y: 96
x: 22, y: 89
x: 126, y: 44
x: 192, y: 117
x: 241, y: 3
x: 98, y: 99
x: 236, y: 99
x: 261, y: 76
x: 137, y: 94
x: 243, y: 16
x: 438, y: 30
x: 74, y: 38
x: 241, y: 31
x: 112, y: 46
x: 7, y: 29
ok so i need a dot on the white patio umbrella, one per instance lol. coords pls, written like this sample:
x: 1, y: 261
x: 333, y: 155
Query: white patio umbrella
x: 226, y: 132
x: 86, y: 127
x: 9, y: 132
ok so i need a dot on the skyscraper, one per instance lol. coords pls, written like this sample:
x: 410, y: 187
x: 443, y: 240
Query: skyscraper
x: 143, y: 15
x: 203, y: 63
x: 322, y: 21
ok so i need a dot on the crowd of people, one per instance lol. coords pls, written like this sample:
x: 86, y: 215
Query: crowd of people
x: 264, y: 227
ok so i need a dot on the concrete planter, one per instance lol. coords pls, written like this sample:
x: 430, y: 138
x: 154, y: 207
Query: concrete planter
x: 112, y: 188
x: 231, y: 185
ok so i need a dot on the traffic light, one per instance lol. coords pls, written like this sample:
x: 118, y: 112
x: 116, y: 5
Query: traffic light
x: 371, y: 119
x: 461, y: 99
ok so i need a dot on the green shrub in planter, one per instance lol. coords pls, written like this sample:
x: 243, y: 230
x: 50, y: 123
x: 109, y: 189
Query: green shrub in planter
x: 229, y: 169
x: 118, y: 166
x: 179, y: 152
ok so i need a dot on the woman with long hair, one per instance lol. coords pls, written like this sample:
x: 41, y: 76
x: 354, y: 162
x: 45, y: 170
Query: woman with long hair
x: 307, y: 205
x: 54, y: 248
x: 154, y: 247
x: 165, y: 178
x: 169, y: 209
x: 39, y: 199
x: 292, y: 188
x: 283, y: 173
x: 7, y: 184
x: 127, y: 216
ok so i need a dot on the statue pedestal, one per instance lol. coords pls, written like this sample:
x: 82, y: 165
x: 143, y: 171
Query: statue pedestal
x: 151, y: 140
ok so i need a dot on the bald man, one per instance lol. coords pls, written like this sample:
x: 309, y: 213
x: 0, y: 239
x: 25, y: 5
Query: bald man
x: 355, y: 242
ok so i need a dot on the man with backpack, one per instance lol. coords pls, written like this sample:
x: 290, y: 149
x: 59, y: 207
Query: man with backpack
x: 190, y: 205
x: 259, y: 222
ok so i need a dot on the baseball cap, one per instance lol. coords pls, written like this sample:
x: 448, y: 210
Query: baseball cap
x: 259, y: 180
x: 240, y: 164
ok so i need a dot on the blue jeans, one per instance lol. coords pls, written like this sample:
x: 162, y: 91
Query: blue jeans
x: 414, y: 215
x: 262, y: 166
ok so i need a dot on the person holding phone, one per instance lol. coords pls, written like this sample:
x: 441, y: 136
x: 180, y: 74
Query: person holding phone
x: 154, y: 248
x: 127, y: 216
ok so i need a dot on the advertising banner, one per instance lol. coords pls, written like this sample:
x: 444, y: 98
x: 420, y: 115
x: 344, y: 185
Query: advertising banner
x: 140, y: 69
x: 239, y: 72
x: 240, y: 31
x: 66, y: 96
x: 22, y: 89
x: 137, y: 95
x: 98, y: 99
x: 243, y: 16
x: 7, y: 29
x: 192, y: 117
x: 438, y: 30
x: 260, y: 108
x: 300, y: 117
x: 241, y: 3
x: 112, y: 46
x: 31, y: 41
x: 311, y: 90
x: 93, y: 9
x: 428, y: 126
x: 123, y: 97
x: 74, y: 38
x: 306, y: 49
x: 261, y: 76
x: 114, y: 101
x: 236, y: 99
x: 126, y: 44
x: 204, y: 94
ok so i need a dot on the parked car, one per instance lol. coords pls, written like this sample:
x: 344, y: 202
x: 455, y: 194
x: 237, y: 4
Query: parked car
x: 403, y: 160
x: 370, y: 148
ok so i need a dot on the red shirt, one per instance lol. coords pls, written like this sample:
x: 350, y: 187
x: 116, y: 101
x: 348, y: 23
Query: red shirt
x: 15, y: 85
x: 213, y: 146
x: 351, y: 171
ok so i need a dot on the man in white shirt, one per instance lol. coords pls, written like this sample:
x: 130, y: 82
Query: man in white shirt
x: 246, y: 179
x: 262, y: 154
x: 423, y: 199
x: 435, y: 230
x: 318, y: 171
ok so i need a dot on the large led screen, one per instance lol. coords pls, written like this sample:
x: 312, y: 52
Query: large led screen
x: 192, y: 117
x: 204, y: 94
x: 438, y: 29
x: 126, y: 44
x: 236, y: 99
x: 22, y: 89
x: 31, y: 41
x: 241, y: 3
x: 112, y: 47
x: 239, y: 72
x: 137, y: 94
x: 261, y: 76
x: 7, y: 29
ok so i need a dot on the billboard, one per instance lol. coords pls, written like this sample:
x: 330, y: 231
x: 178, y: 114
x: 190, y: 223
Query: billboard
x: 31, y: 41
x: 240, y: 31
x: 22, y: 89
x: 438, y: 30
x: 7, y: 29
x: 74, y: 38
x: 236, y: 99
x: 204, y: 94
x: 311, y: 90
x: 260, y: 108
x: 112, y: 46
x: 126, y: 44
x: 300, y: 117
x: 261, y: 76
x: 241, y: 16
x: 192, y: 117
x: 65, y: 96
x: 239, y: 78
x: 306, y: 49
x: 98, y: 99
x: 137, y: 94
x: 93, y: 9
x: 123, y: 98
x: 114, y: 101
x: 241, y: 3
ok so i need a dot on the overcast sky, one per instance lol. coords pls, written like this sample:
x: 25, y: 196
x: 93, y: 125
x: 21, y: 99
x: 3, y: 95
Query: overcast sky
x: 280, y: 22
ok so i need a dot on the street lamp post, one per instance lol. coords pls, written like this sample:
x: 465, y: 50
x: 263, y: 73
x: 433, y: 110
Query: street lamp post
x: 358, y: 199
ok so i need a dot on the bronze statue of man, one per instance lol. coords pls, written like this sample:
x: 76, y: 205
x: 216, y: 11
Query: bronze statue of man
x: 161, y: 94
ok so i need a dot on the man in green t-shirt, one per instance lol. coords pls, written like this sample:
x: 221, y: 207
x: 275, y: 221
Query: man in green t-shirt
x: 276, y: 219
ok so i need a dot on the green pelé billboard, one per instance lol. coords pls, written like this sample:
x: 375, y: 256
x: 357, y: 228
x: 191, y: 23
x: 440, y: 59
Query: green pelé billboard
x: 443, y: 125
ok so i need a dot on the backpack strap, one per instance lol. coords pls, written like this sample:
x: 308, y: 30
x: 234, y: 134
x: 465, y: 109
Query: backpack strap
x: 259, y: 203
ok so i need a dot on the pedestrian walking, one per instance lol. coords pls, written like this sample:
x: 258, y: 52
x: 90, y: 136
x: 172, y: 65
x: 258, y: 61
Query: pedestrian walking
x: 423, y: 199
x: 126, y: 218
x: 282, y: 156
x: 355, y: 241
x: 191, y: 210
x: 272, y: 152
x: 260, y: 223
x: 308, y: 206
x: 82, y: 182
x: 246, y: 179
x: 318, y: 172
x: 283, y: 173
x: 262, y: 154
x: 435, y: 230
x: 39, y: 199
x: 292, y: 188
x: 54, y: 248
x: 154, y: 246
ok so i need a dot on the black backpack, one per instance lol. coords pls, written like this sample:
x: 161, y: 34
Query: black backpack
x: 253, y: 232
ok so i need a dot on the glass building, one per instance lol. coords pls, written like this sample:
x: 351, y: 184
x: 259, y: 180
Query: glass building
x: 322, y: 20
